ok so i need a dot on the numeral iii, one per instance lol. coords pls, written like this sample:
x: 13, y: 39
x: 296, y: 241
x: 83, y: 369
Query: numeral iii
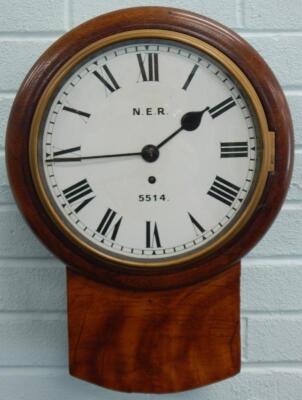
x: 233, y: 149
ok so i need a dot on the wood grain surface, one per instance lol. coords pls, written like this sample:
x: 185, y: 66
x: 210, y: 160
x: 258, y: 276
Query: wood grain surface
x: 157, y: 341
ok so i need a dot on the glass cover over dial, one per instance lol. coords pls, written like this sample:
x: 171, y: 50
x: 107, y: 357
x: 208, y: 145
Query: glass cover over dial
x: 149, y: 150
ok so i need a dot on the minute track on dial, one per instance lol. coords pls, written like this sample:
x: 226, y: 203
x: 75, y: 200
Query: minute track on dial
x: 145, y: 155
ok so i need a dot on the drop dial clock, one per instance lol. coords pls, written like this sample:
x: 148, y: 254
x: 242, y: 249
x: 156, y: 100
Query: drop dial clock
x: 150, y: 149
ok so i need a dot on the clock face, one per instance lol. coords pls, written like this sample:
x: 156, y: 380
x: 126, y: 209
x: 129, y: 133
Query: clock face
x: 149, y: 150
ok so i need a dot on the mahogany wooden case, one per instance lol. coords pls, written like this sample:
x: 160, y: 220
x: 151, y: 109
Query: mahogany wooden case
x: 159, y: 329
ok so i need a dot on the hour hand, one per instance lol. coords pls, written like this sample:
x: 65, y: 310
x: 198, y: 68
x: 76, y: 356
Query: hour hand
x: 189, y: 122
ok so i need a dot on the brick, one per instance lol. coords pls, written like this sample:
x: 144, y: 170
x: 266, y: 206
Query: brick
x: 284, y: 236
x: 19, y: 57
x: 273, y: 14
x: 6, y: 196
x: 295, y: 105
x: 295, y: 187
x: 17, y: 240
x: 243, y: 336
x: 274, y: 338
x: 59, y: 386
x: 280, y: 52
x: 216, y: 10
x: 271, y: 286
x: 250, y: 384
x: 28, y: 16
x: 5, y: 106
x: 32, y: 285
x: 33, y: 341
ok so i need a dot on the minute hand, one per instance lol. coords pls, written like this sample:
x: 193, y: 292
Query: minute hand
x: 189, y: 122
x: 72, y: 159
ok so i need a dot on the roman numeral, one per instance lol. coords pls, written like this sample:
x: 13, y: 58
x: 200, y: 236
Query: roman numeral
x: 223, y: 191
x: 109, y: 225
x: 109, y: 82
x: 222, y: 107
x: 77, y: 194
x: 75, y: 111
x: 66, y: 151
x: 190, y: 77
x: 197, y: 227
x: 152, y: 236
x: 148, y: 67
x: 233, y: 149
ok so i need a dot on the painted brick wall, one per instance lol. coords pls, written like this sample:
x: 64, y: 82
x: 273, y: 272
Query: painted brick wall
x: 32, y: 283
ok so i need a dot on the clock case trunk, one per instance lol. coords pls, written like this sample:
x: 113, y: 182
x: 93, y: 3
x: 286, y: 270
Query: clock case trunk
x: 154, y: 341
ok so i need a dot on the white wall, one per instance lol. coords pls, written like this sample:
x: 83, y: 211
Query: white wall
x: 32, y: 283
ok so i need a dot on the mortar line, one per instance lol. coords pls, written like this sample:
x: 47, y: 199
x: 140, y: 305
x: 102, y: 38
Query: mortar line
x: 289, y: 261
x: 265, y: 365
x: 28, y: 36
x: 67, y: 15
x: 293, y: 92
x: 244, y: 346
x: 292, y: 205
x: 42, y: 370
x: 268, y: 33
x: 280, y: 258
x: 30, y: 315
x: 240, y: 14
x: 7, y: 94
x: 269, y: 315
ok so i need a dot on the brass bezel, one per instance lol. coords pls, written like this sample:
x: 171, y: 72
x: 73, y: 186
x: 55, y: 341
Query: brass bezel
x: 267, y: 164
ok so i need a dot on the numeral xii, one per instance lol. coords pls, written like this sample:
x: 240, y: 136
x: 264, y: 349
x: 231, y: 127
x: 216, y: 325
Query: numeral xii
x: 148, y: 67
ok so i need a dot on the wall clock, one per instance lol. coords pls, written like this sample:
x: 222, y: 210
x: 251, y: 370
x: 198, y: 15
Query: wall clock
x: 150, y: 149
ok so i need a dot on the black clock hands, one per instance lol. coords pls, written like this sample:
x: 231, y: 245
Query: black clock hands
x: 79, y: 158
x: 150, y: 153
x: 189, y: 122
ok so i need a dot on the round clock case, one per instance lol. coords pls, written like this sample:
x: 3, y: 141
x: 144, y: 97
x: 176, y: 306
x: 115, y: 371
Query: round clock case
x: 150, y: 280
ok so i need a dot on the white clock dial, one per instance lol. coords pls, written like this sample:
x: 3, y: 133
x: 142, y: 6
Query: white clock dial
x: 149, y: 150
